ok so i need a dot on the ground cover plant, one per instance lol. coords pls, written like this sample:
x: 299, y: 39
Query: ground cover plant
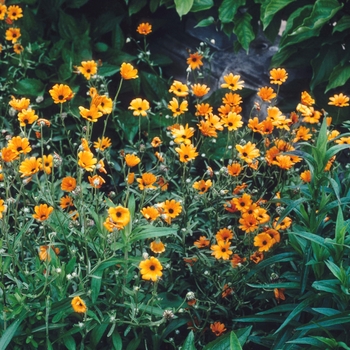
x: 136, y: 216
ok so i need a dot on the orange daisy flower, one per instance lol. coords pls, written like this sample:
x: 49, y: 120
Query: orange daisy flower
x: 234, y: 169
x: 42, y: 212
x: 156, y: 142
x: 12, y: 34
x: 195, y: 61
x: 306, y: 99
x: 202, y: 186
x: 78, y: 305
x: 96, y: 181
x: 186, y: 152
x: 236, y: 260
x: 157, y: 247
x: 257, y: 257
x: 144, y: 28
x: 203, y: 109
x: 131, y: 160
x: 217, y: 328
x: 19, y: 145
x: 86, y: 160
x: 232, y: 121
x: 139, y: 107
x: 202, y: 242
x: 179, y: 89
x: 27, y: 117
x: 233, y: 82
x: 44, y: 252
x: 30, y: 166
x: 340, y: 100
x: 146, y: 181
x: 224, y: 234
x: 150, y: 213
x: 248, y: 152
x: 266, y: 93
x: 177, y: 108
x: 127, y: 71
x: 278, y: 76
x: 221, y: 250
x: 61, y: 93
x: 199, y: 90
x: 264, y: 241
x: 68, y: 184
x: 248, y: 222
x: 88, y: 68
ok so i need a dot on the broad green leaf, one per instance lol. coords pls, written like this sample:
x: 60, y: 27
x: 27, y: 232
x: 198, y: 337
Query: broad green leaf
x: 234, y: 342
x: 107, y: 70
x: 337, y: 271
x: 310, y: 237
x: 69, y: 342
x: 117, y: 341
x: 329, y: 286
x: 28, y: 87
x: 136, y: 5
x: 97, y: 334
x: 340, y: 228
x: 228, y: 10
x: 189, y: 342
x: 221, y: 343
x: 342, y: 24
x: 101, y: 47
x: 153, y: 5
x: 75, y: 4
x: 68, y: 27
x: 134, y: 343
x: 202, y: 5
x: 243, y: 334
x: 118, y: 39
x: 244, y: 30
x: 183, y: 7
x: 334, y: 150
x: 270, y: 8
x: 205, y: 22
x: 329, y: 341
x: 339, y: 76
x: 152, y: 232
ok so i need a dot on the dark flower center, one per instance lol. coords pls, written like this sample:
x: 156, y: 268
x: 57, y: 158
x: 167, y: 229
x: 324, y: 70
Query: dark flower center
x: 171, y: 210
x: 119, y: 214
x: 152, y: 267
x: 60, y: 97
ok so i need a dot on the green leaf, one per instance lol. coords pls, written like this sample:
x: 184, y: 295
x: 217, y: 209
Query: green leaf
x: 336, y: 271
x: 149, y: 231
x: 270, y: 8
x: 29, y: 87
x: 202, y: 5
x: 306, y: 341
x: 205, y: 22
x: 310, y: 237
x: 101, y: 47
x: 96, y: 281
x: 97, y: 334
x: 189, y: 342
x: 228, y: 9
x: 234, y: 342
x: 334, y: 150
x: 340, y: 319
x: 342, y: 24
x: 153, y: 5
x: 243, y: 334
x: 134, y: 344
x: 244, y: 30
x: 67, y: 26
x: 69, y: 342
x: 118, y: 39
x: 117, y: 341
x: 329, y: 286
x: 8, y: 334
x: 107, y: 70
x: 174, y: 324
x: 287, y: 285
x: 136, y: 5
x: 339, y: 76
x: 183, y: 7
x: 75, y: 4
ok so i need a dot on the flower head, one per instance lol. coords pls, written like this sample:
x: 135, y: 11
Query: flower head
x: 13, y: 34
x: 102, y: 144
x: 119, y: 215
x: 248, y: 152
x: 232, y: 121
x: 278, y: 76
x: 233, y: 82
x: 30, y: 166
x: 202, y: 242
x: 88, y: 68
x: 202, y: 186
x: 157, y: 247
x: 68, y: 184
x: 131, y: 160
x: 195, y: 60
x: 199, y: 90
x: 221, y: 250
x: 150, y: 213
x: 14, y: 12
x: 151, y: 269
x: 156, y: 142
x: 340, y: 100
x: 47, y: 163
x: 144, y: 28
x: 224, y: 234
x: 3, y: 11
x: 264, y: 241
x: 172, y: 208
x: 266, y: 93
x: 179, y: 89
x: 92, y: 114
x: 27, y: 117
x: 182, y: 134
x: 19, y: 104
x: 78, y: 305
x: 146, y: 181
x: 127, y: 71
x: 86, y: 160
x: 61, y: 93
x: 186, y: 152
x: 42, y: 212
x: 139, y: 106
x: 44, y: 252
x: 217, y: 328
x: 177, y: 108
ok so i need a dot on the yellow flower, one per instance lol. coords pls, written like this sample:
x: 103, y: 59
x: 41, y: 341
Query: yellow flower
x: 151, y: 269
x: 232, y: 99
x: 144, y: 28
x: 19, y: 145
x: 88, y: 68
x: 150, y: 213
x: 266, y: 93
x: 30, y: 166
x: 179, y: 89
x: 264, y: 241
x: 86, y: 160
x: 8, y: 154
x: 13, y: 34
x: 278, y: 76
x: 42, y: 212
x: 195, y: 60
x: 234, y: 169
x: 221, y: 250
x: 92, y: 114
x: 340, y: 100
x: 132, y: 160
x: 2, y: 207
x: 232, y: 82
x: 61, y: 93
x: 172, y: 208
x: 119, y: 215
x: 224, y: 234
x: 139, y: 106
x: 248, y: 152
x: 232, y: 121
x: 3, y: 11
x: 202, y: 186
x: 186, y: 152
x: 47, y: 163
x: 306, y: 99
x: 203, y: 109
x: 96, y: 181
x: 78, y: 305
x: 146, y: 181
x: 18, y: 49
x: 27, y: 117
x: 199, y: 90
x: 102, y: 144
x: 157, y: 247
x: 68, y: 184
x: 44, y: 252
x: 202, y: 242
x: 177, y: 108
x: 14, y: 12
x: 182, y: 134
x: 127, y: 71
x: 19, y: 104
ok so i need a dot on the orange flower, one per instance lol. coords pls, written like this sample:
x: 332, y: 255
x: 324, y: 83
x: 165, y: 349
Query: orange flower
x: 3, y: 11
x: 102, y: 144
x: 127, y: 71
x: 119, y: 215
x: 237, y: 260
x: 221, y: 250
x: 232, y: 99
x: 199, y: 90
x: 279, y: 294
x: 14, y: 12
x: 202, y: 242
x: 144, y: 28
x: 27, y: 117
x: 248, y: 222
x: 96, y: 181
x: 157, y: 247
x: 139, y: 107
x: 130, y: 178
x: 234, y: 169
x: 47, y: 163
x: 44, y: 252
x: 131, y: 160
x: 86, y: 160
x: 68, y: 184
x: 151, y: 269
x: 92, y: 114
x: 12, y: 34
x: 177, y: 108
x: 217, y: 328
x: 182, y: 134
x: 88, y: 68
x: 156, y: 142
x: 224, y: 234
x: 195, y: 61
x: 150, y: 213
x: 78, y: 305
x: 257, y: 257
x: 264, y: 241
x: 302, y: 134
x: 66, y: 202
x: 248, y: 152
x: 19, y: 104
x: 232, y: 121
x: 340, y: 100
x: 61, y: 93
x: 306, y: 99
x: 306, y: 176
x: 278, y: 76
x: 18, y: 49
x: 226, y: 291
x: 30, y: 166
x: 8, y: 154
x: 284, y: 224
x: 19, y: 145
x: 203, y: 109
x: 42, y: 212
x: 243, y: 202
x: 207, y: 129
x: 146, y: 181
x: 266, y: 93
x: 232, y: 82
x: 179, y: 89
x: 172, y: 208
x: 186, y: 152
x: 202, y: 186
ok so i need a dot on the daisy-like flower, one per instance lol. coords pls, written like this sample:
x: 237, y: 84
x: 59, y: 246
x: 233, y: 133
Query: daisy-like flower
x: 203, y: 109
x: 248, y: 222
x: 139, y: 107
x: 2, y: 208
x: 96, y: 181
x: 332, y: 135
x: 224, y: 234
x: 248, y: 152
x: 172, y: 208
x: 12, y: 34
x: 8, y: 154
x: 42, y: 212
x: 266, y: 127
x: 44, y: 252
x: 156, y: 142
x: 3, y: 11
x: 283, y: 225
x: 195, y: 60
x: 182, y: 134
x: 257, y: 256
x: 306, y: 176
x: 234, y: 169
x: 302, y: 134
x: 14, y: 12
x: 27, y: 117
x: 217, y: 328
x: 47, y: 163
x: 102, y: 144
x: 151, y: 269
x: 226, y: 291
x: 202, y: 242
x: 68, y: 184
x: 18, y: 48
x: 19, y: 145
x: 19, y: 104
x: 243, y: 203
x: 232, y: 121
x: 186, y: 152
x: 236, y: 260
x: 340, y: 100
x: 278, y: 76
x: 127, y: 71
x: 88, y: 68
x: 119, y: 215
x: 207, y: 129
x: 233, y: 82
x: 266, y: 93
x: 86, y: 160
x: 232, y: 99
x: 78, y: 305
x: 202, y: 186
x: 103, y: 103
x: 177, y: 108
x: 221, y: 250
x: 130, y: 178
x: 283, y: 161
x: 131, y: 160
x: 264, y: 241
x: 144, y: 28
x: 312, y: 118
x: 274, y: 234
x: 30, y: 166
x: 66, y: 202
x: 146, y: 181
x: 306, y: 99
x: 179, y: 89
x: 199, y: 90
x: 92, y: 114
x: 61, y: 93
x: 214, y: 121
x: 150, y: 213
x: 157, y: 247
x: 343, y: 141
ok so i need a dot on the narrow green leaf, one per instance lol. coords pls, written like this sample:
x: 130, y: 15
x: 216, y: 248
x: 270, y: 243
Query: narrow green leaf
x: 329, y: 341
x: 75, y: 4
x: 334, y: 150
x: 287, y: 285
x: 183, y: 7
x: 244, y: 30
x: 341, y: 319
x: 220, y: 343
x: 270, y: 8
x: 326, y: 311
x: 234, y: 342
x: 205, y: 22
x: 329, y: 286
x: 336, y: 271
x: 340, y: 228
x: 97, y: 334
x: 189, y: 342
x: 69, y: 342
x: 340, y: 75
x: 10, y: 332
x: 310, y: 237
x: 306, y: 341
x: 342, y: 24
x: 243, y: 334
x: 321, y: 145
x: 117, y: 341
x: 134, y: 344
x: 152, y: 232
x: 96, y: 281
x: 228, y: 10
